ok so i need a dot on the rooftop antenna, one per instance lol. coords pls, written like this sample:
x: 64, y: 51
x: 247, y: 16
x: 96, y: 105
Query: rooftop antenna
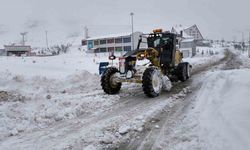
x: 23, y: 34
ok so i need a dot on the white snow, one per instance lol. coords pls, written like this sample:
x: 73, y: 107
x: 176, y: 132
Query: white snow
x: 45, y: 91
x: 54, y: 66
x: 224, y: 114
x: 124, y: 129
x: 219, y: 117
x: 200, y: 59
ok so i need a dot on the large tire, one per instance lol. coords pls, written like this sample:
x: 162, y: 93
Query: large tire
x: 189, y: 68
x: 152, y: 82
x: 182, y: 72
x: 109, y: 86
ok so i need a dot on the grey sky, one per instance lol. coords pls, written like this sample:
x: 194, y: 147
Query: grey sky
x: 216, y: 18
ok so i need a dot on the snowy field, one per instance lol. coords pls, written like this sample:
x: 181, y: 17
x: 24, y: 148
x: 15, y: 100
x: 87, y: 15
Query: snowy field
x: 72, y: 63
x: 41, y: 94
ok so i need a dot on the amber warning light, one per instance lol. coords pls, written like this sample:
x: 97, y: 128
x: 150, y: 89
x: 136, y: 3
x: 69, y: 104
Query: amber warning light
x: 157, y: 31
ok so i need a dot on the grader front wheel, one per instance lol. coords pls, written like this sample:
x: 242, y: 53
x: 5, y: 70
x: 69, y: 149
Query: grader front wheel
x: 107, y: 81
x: 152, y: 82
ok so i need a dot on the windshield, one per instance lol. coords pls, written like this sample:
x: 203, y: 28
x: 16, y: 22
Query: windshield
x: 161, y: 41
x: 157, y: 42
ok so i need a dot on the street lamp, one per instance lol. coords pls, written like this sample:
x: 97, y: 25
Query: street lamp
x: 242, y: 43
x: 132, y: 26
x: 249, y: 44
x: 46, y: 36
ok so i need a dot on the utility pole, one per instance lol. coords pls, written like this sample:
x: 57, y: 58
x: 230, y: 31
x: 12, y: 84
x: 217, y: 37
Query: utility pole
x: 23, y: 34
x: 234, y: 39
x: 249, y: 45
x: 243, y: 38
x: 243, y: 42
x: 132, y: 26
x: 47, y: 43
x: 86, y: 32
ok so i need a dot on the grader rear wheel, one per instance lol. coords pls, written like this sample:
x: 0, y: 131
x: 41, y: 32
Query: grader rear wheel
x: 183, y: 71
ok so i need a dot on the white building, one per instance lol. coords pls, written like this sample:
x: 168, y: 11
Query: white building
x: 17, y: 50
x: 188, y: 47
x: 113, y: 43
x: 2, y: 52
x: 191, y: 37
x: 188, y: 32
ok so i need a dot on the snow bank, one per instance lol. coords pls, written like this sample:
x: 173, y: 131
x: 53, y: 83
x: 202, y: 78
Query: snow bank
x: 37, y: 102
x: 200, y: 59
x: 244, y: 57
x: 219, y: 118
x: 224, y: 114
x: 51, y: 67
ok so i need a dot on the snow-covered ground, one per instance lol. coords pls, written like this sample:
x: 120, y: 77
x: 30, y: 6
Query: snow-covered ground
x: 40, y: 93
x: 219, y: 116
x: 224, y: 115
x: 244, y: 56
x: 201, y: 59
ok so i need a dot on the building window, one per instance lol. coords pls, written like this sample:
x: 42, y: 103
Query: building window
x: 103, y: 41
x: 110, y: 41
x: 90, y: 44
x: 118, y: 49
x: 84, y: 42
x: 186, y: 44
x: 103, y: 49
x: 127, y: 48
x: 111, y: 49
x: 96, y: 42
x: 97, y: 50
x: 118, y: 40
x: 126, y: 39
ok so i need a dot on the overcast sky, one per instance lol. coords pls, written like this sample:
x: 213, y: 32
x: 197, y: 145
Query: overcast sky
x: 215, y: 18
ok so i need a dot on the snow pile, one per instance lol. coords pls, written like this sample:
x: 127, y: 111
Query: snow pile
x: 244, y: 57
x: 223, y: 116
x: 200, y: 59
x: 59, y: 66
x: 166, y: 83
x: 37, y: 102
x: 219, y: 118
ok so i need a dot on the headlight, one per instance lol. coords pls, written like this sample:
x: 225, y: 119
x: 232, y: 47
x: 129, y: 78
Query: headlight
x: 112, y: 57
x: 141, y: 56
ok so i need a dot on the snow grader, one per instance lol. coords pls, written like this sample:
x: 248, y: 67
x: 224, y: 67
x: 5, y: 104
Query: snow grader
x: 164, y: 64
